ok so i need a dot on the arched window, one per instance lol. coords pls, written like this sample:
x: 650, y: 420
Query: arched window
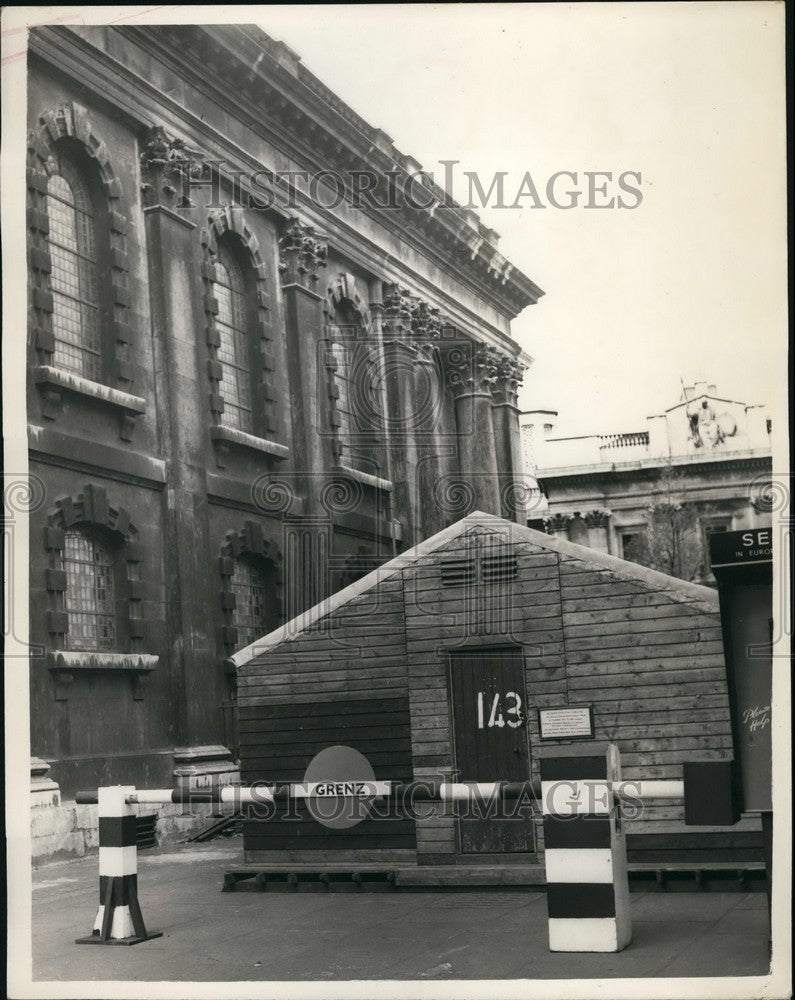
x: 73, y: 277
x: 342, y: 350
x: 90, y: 596
x: 234, y: 350
x: 251, y: 615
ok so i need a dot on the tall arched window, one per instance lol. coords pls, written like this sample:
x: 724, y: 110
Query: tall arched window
x: 90, y: 596
x: 234, y: 350
x: 342, y: 350
x: 73, y: 278
x: 251, y: 617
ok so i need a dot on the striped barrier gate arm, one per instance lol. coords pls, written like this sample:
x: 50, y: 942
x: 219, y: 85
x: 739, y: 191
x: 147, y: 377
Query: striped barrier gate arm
x: 585, y: 852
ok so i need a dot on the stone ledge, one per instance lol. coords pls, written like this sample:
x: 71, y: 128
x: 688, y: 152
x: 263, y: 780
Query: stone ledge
x: 232, y: 436
x: 71, y: 660
x: 52, y: 376
x: 55, y: 448
x: 364, y: 477
x: 200, y: 768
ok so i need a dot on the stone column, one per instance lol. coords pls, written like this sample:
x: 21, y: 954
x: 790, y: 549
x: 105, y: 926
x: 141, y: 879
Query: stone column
x: 302, y: 255
x: 175, y: 299
x: 307, y: 541
x: 596, y: 520
x: 578, y: 530
x: 470, y: 372
x: 400, y: 359
x: 429, y: 388
x: 508, y: 374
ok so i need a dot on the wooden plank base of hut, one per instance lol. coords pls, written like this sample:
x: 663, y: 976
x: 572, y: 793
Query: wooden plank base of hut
x: 460, y: 659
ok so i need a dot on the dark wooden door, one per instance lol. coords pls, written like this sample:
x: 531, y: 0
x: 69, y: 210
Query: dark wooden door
x: 490, y: 731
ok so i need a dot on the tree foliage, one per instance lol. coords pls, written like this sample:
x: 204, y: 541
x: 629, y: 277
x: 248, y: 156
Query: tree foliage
x: 673, y: 541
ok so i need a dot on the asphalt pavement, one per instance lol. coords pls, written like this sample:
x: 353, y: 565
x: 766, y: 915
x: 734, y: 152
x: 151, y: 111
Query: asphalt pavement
x: 215, y: 936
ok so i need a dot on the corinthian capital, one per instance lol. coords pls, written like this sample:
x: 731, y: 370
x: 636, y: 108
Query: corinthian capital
x: 557, y: 522
x: 597, y: 518
x: 397, y: 316
x: 426, y: 322
x: 471, y: 367
x: 167, y: 166
x: 426, y: 329
x: 301, y: 254
x: 507, y: 375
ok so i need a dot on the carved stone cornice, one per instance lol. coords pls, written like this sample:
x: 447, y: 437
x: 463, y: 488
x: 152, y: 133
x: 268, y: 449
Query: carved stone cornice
x: 242, y: 70
x: 301, y: 254
x: 167, y: 166
x: 597, y: 518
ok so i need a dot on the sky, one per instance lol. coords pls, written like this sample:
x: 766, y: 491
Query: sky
x: 692, y: 282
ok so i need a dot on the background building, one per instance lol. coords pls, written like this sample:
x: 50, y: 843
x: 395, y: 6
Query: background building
x: 244, y: 391
x: 703, y: 465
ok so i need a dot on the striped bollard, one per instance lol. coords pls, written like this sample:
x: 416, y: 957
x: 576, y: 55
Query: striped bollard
x: 585, y: 848
x: 119, y: 919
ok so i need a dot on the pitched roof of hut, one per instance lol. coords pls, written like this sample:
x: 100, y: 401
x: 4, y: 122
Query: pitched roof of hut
x: 703, y: 598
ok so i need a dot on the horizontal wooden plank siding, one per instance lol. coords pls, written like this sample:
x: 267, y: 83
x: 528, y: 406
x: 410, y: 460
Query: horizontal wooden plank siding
x: 277, y: 743
x: 303, y: 832
x: 652, y: 664
x: 695, y: 847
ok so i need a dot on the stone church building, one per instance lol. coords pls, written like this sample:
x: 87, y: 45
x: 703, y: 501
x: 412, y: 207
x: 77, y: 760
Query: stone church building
x: 250, y: 380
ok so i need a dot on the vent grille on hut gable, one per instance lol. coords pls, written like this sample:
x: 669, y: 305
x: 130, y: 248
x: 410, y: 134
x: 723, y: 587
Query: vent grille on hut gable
x: 501, y: 568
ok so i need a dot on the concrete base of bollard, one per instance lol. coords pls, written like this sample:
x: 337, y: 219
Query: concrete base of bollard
x: 589, y: 934
x: 96, y: 939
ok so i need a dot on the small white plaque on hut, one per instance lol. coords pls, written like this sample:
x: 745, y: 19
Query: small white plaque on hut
x: 571, y: 723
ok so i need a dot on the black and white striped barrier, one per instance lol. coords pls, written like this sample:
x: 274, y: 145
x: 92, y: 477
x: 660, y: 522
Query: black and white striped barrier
x: 119, y: 919
x: 587, y: 883
x: 586, y: 855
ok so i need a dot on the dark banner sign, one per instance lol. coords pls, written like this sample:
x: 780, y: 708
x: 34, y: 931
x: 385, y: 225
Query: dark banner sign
x: 742, y: 562
x: 739, y: 548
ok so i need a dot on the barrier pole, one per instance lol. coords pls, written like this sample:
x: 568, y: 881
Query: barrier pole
x: 650, y: 789
x: 585, y: 853
x: 119, y: 919
x: 240, y: 795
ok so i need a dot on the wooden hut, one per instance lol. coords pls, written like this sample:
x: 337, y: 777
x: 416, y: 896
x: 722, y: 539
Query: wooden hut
x: 466, y: 655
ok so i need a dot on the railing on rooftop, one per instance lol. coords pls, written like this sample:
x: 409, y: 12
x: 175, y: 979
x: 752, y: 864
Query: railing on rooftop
x: 635, y: 439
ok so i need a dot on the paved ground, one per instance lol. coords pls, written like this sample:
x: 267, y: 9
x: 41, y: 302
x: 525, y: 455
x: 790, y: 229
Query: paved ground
x: 233, y: 936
